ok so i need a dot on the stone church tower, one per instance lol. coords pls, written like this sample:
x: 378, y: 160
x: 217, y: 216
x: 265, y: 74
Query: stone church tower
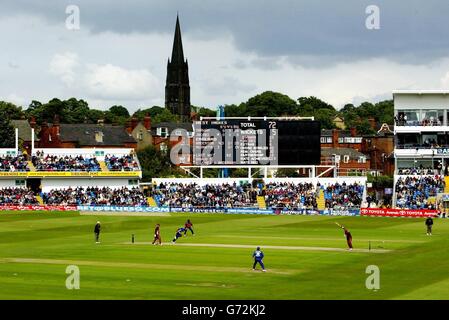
x: 177, y: 88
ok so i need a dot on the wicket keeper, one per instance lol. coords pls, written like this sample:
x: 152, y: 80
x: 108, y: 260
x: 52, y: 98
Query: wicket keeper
x: 157, y: 235
x: 258, y: 256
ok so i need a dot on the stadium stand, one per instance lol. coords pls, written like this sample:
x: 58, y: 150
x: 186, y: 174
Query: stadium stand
x: 45, y: 162
x: 343, y: 195
x: 210, y: 195
x: 96, y: 196
x: 416, y: 171
x: 17, y: 196
x: 414, y: 192
x: 279, y: 195
x: 11, y: 164
x: 291, y: 195
x: 123, y: 163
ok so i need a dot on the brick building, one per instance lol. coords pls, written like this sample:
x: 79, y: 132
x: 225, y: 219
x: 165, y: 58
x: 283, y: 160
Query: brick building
x: 84, y: 135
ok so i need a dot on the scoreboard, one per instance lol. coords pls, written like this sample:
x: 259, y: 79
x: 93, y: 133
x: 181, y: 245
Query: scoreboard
x: 256, y: 142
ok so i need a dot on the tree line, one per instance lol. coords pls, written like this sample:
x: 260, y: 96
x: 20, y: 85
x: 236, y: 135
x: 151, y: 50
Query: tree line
x: 268, y: 103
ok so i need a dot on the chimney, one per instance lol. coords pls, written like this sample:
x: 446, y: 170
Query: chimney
x: 43, y: 134
x: 56, y: 124
x: 33, y: 122
x: 99, y: 136
x: 134, y: 122
x: 128, y: 126
x: 372, y: 123
x: 147, y: 122
x: 353, y: 132
x: 334, y: 138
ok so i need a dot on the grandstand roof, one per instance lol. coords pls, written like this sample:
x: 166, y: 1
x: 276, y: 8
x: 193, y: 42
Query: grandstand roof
x: 84, y: 134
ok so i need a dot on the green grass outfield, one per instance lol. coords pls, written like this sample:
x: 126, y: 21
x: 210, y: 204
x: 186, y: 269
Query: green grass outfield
x: 305, y: 257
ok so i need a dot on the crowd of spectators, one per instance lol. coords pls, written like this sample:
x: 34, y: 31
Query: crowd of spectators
x: 414, y: 192
x: 122, y: 163
x: 416, y: 171
x: 291, y: 196
x: 96, y: 196
x: 189, y: 195
x: 43, y: 162
x: 278, y: 195
x: 402, y: 120
x: 17, y: 196
x: 342, y: 195
x: 11, y: 164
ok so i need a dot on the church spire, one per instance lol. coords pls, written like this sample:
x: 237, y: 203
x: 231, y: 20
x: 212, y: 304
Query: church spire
x: 177, y: 88
x: 177, y: 56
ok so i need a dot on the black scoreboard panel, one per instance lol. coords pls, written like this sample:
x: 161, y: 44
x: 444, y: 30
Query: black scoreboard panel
x: 299, y: 142
x: 258, y: 142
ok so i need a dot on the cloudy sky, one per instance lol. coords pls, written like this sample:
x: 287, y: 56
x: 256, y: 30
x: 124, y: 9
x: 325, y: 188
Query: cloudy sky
x: 235, y: 49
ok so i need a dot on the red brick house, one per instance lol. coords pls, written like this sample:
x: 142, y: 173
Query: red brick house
x: 380, y: 147
x: 84, y: 135
x: 342, y: 148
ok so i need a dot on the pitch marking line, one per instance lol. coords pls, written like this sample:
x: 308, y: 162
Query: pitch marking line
x: 323, y: 239
x: 245, y: 246
x: 131, y: 265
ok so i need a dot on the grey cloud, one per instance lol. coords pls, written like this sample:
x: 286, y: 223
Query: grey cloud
x: 411, y: 31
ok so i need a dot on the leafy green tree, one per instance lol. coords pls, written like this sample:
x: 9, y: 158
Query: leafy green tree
x: 270, y: 104
x: 69, y: 111
x: 166, y: 116
x: 307, y: 105
x: 364, y: 128
x: 93, y: 115
x: 119, y: 111
x: 320, y: 110
x: 12, y: 111
x: 287, y: 173
x: 6, y: 131
x: 233, y: 110
x: 152, y: 112
x: 116, y: 115
x: 381, y: 112
x: 156, y: 164
x: 385, y: 111
x: 204, y: 112
x: 380, y: 182
x: 325, y: 117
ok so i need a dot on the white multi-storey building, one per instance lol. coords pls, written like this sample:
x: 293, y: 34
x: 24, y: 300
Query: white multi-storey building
x: 421, y: 133
x: 421, y: 129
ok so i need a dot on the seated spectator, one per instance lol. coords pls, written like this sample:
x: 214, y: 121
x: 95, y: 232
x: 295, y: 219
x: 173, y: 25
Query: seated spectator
x: 421, y: 170
x: 208, y: 196
x: 17, y: 196
x: 343, y: 196
x: 122, y: 163
x: 64, y: 163
x: 291, y: 196
x: 11, y: 164
x: 414, y: 192
x: 96, y: 196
